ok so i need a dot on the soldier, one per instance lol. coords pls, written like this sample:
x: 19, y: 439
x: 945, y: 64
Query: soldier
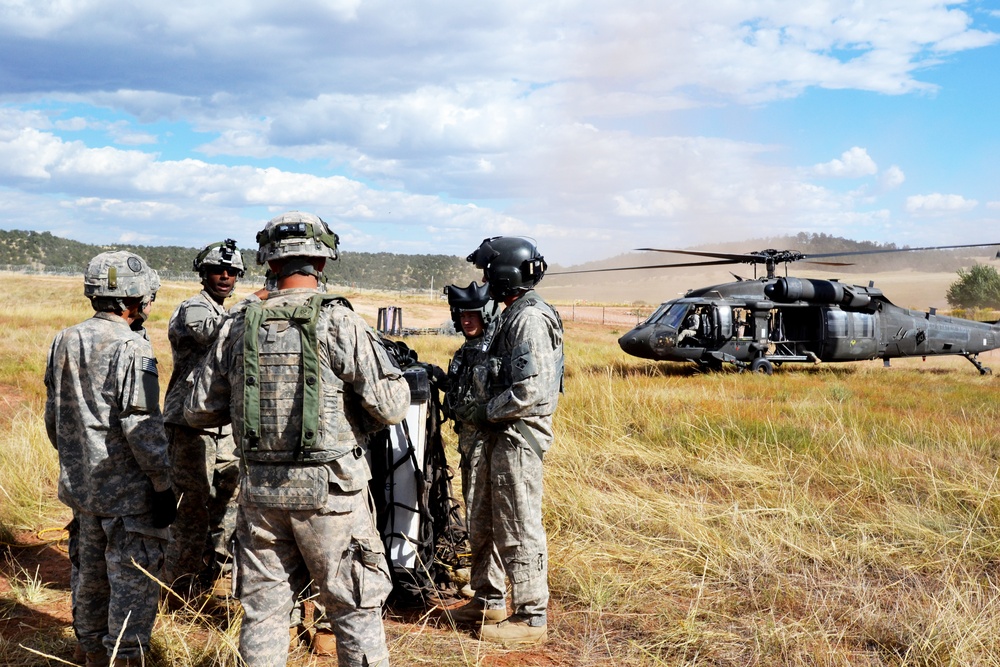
x: 472, y: 311
x: 102, y: 414
x: 205, y: 467
x: 525, y: 369
x: 302, y: 378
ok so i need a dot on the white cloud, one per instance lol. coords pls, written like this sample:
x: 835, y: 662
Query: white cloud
x: 891, y: 178
x: 853, y: 163
x: 936, y: 203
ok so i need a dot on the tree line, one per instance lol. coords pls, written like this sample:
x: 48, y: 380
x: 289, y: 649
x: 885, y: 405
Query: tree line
x: 45, y: 253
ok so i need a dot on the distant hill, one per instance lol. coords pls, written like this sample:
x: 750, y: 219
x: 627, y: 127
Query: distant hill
x: 45, y: 253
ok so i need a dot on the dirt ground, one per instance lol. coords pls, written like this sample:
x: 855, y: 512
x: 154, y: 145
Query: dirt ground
x: 45, y: 624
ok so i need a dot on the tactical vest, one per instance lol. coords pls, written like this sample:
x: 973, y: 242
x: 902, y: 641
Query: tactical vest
x: 291, y: 397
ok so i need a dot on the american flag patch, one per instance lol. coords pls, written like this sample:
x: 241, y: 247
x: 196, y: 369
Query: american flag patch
x: 148, y: 364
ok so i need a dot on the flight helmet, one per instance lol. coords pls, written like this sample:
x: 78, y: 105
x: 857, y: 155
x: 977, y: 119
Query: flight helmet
x: 510, y: 264
x: 474, y: 298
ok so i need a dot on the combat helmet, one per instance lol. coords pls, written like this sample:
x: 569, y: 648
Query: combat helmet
x: 296, y: 234
x: 510, y: 264
x: 114, y: 276
x: 222, y: 253
x: 474, y: 298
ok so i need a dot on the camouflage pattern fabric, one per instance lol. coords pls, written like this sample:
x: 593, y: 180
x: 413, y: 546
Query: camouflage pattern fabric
x: 527, y: 357
x: 113, y: 600
x: 340, y: 550
x: 315, y: 517
x: 206, y: 472
x: 102, y: 415
x: 461, y: 370
x: 205, y: 465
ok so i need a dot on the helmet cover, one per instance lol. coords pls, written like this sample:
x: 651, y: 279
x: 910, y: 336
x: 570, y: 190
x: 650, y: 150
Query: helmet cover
x: 296, y: 234
x: 120, y: 275
x: 222, y: 253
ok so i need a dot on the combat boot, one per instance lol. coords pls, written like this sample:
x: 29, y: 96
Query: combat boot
x: 475, y: 612
x: 97, y: 659
x: 128, y: 662
x: 297, y: 635
x: 324, y: 643
x: 79, y: 655
x: 514, y: 631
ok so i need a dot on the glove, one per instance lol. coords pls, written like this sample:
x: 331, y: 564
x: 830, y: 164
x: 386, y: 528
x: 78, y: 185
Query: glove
x: 164, y: 508
x: 473, y: 413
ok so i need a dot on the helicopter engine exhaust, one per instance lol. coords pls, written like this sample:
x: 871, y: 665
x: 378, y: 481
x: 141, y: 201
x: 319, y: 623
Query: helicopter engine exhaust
x: 787, y: 290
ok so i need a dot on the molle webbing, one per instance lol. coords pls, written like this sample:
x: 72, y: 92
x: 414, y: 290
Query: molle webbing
x: 304, y: 317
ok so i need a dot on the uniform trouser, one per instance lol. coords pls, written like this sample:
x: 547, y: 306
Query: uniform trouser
x: 114, y: 602
x: 507, y: 512
x: 493, y: 592
x: 205, y: 474
x: 342, y: 554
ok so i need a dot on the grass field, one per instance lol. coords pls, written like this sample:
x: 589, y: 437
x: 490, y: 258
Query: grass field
x: 827, y: 515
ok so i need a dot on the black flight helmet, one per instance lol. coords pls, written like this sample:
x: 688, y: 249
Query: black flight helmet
x: 474, y: 298
x: 510, y: 264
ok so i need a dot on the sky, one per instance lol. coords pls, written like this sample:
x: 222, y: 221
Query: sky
x: 593, y: 127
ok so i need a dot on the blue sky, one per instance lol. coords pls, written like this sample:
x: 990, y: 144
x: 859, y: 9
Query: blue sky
x: 422, y: 127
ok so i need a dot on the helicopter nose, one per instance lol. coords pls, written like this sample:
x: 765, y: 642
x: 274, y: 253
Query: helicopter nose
x: 638, y: 342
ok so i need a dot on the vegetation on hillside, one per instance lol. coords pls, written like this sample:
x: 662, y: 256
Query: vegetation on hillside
x: 46, y: 253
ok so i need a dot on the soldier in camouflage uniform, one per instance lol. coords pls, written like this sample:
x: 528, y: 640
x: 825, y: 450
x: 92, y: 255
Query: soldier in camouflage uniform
x: 205, y: 466
x: 472, y: 312
x: 301, y: 377
x: 525, y: 369
x: 102, y: 414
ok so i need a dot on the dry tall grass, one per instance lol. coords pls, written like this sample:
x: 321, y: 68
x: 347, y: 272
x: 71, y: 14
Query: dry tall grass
x: 830, y: 515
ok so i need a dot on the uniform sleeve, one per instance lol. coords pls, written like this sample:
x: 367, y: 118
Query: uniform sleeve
x: 208, y: 403
x: 50, y: 397
x: 203, y: 323
x: 137, y: 385
x: 534, y: 367
x: 363, y: 364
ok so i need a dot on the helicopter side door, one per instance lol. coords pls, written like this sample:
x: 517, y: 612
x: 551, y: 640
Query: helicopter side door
x: 849, y: 336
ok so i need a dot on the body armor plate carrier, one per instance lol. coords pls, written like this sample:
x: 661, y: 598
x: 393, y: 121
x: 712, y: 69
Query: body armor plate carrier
x: 286, y: 385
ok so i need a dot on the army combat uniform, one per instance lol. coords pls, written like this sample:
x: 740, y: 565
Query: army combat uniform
x: 102, y: 414
x: 463, y: 385
x: 206, y: 470
x: 526, y: 364
x: 304, y: 504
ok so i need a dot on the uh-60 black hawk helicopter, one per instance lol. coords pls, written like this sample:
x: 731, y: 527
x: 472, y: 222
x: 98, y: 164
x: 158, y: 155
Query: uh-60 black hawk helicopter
x: 764, y: 322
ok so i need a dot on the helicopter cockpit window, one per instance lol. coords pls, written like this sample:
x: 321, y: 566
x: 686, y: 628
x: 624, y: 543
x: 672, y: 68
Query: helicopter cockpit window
x: 673, y: 316
x: 658, y: 313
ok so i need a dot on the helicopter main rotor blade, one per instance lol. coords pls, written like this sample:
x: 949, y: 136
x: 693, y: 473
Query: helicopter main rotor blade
x: 888, y: 250
x: 638, y: 268
x: 735, y: 258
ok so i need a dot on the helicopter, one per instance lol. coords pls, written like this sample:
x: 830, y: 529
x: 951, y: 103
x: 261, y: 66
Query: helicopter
x: 760, y: 323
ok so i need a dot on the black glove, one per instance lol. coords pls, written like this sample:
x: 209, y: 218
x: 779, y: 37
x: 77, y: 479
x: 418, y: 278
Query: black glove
x: 164, y: 508
x: 473, y: 413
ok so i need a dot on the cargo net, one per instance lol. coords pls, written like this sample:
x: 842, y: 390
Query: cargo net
x: 441, y: 544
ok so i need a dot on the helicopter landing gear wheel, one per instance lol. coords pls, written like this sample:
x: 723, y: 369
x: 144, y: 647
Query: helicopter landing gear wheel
x: 761, y: 365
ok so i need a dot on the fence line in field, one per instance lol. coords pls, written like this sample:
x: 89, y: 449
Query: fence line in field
x: 628, y: 316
